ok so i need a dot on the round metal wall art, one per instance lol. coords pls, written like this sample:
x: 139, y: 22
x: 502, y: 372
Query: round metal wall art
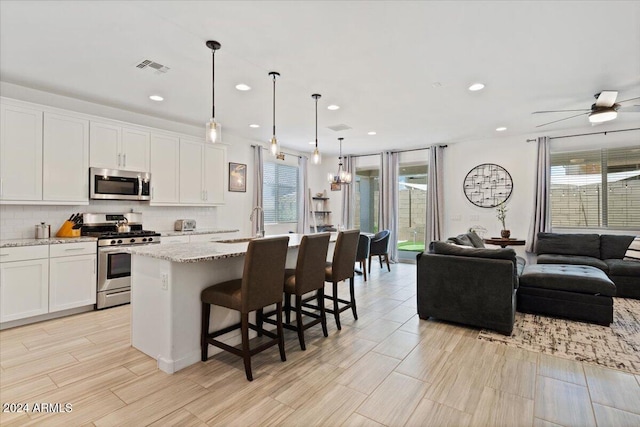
x: 487, y: 185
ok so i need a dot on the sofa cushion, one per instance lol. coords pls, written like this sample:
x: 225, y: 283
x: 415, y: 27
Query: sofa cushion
x: 573, y: 259
x: 569, y: 244
x: 614, y: 246
x: 571, y: 278
x: 633, y: 251
x: 475, y: 239
x: 520, y: 264
x: 443, y: 248
x: 621, y: 267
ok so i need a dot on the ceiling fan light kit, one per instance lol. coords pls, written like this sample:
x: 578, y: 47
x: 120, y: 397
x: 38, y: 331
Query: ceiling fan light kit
x: 212, y: 127
x: 603, y: 115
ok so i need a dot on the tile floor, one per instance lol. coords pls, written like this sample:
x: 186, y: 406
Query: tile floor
x: 388, y: 368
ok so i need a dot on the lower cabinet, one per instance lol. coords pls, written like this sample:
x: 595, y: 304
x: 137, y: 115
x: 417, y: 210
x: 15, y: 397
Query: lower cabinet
x: 24, y: 282
x: 72, y: 276
x: 43, y: 279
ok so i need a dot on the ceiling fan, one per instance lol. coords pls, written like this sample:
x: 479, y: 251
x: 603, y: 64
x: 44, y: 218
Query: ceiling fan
x: 604, y: 109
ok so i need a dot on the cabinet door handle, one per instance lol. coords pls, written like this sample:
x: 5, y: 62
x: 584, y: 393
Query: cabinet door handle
x: 74, y: 249
x: 153, y: 193
x: 1, y: 186
x: 4, y: 254
x: 119, y: 159
x: 124, y: 159
x: 206, y: 194
x: 94, y: 266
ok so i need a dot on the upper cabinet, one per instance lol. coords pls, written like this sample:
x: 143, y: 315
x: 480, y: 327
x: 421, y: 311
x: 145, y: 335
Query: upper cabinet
x: 66, y: 158
x: 165, y: 169
x: 202, y: 173
x: 117, y: 147
x: 20, y: 153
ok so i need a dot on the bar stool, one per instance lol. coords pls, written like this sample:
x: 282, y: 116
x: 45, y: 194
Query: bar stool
x: 308, y: 276
x: 260, y: 286
x: 341, y: 268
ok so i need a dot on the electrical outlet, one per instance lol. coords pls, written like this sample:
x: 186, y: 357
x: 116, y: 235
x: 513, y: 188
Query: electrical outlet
x: 474, y: 217
x: 165, y: 281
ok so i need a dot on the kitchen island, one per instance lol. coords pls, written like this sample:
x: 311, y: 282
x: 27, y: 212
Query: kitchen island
x: 166, y: 281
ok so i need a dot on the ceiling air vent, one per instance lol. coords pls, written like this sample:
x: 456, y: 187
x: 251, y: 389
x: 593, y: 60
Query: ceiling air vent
x: 147, y: 63
x: 340, y: 127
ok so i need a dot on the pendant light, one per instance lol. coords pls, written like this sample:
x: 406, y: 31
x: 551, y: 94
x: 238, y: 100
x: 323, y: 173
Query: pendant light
x: 212, y: 126
x: 274, y: 148
x: 317, y: 159
x: 342, y: 177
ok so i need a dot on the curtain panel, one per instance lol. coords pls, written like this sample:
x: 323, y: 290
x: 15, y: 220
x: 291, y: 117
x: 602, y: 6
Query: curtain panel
x: 258, y: 172
x: 541, y: 221
x: 348, y: 194
x: 388, y: 200
x: 435, y: 195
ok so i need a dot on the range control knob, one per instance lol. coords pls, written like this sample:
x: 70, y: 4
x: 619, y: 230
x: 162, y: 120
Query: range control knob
x: 113, y: 242
x: 151, y: 239
x: 132, y: 240
x: 119, y: 241
x: 144, y: 239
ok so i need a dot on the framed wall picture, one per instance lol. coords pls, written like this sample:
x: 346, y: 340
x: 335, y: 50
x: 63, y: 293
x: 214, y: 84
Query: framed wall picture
x: 237, y: 177
x: 335, y: 187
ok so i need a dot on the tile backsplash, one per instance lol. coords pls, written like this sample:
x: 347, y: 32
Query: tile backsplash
x: 18, y: 221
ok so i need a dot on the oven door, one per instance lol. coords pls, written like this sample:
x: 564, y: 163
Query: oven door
x: 114, y: 269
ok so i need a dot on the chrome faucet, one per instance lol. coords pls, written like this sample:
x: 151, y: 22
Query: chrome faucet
x: 260, y: 220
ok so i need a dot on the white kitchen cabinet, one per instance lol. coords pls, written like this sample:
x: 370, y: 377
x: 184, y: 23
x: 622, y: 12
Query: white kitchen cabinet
x: 165, y: 169
x: 117, y: 147
x: 20, y: 153
x: 24, y: 282
x: 72, y: 276
x: 65, y: 159
x: 202, y: 173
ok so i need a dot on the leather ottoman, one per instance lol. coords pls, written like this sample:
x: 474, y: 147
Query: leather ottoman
x: 577, y: 292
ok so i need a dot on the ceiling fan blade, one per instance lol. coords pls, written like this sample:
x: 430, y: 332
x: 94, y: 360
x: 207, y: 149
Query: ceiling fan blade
x: 557, y: 111
x: 630, y: 109
x: 566, y: 118
x: 630, y: 99
x: 606, y: 98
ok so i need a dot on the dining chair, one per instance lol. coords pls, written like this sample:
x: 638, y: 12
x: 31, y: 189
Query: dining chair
x: 363, y: 253
x: 261, y: 285
x: 380, y: 247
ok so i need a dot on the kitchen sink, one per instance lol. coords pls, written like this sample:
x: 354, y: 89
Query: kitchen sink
x: 239, y: 240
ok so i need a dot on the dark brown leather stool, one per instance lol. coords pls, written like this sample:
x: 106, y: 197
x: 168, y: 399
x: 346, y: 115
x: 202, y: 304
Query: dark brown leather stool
x: 341, y: 268
x: 308, y: 276
x: 260, y: 286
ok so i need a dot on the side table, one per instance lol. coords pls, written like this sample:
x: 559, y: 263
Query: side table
x: 503, y: 243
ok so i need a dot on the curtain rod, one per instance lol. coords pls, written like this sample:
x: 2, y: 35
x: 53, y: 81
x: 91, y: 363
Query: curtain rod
x: 396, y: 151
x: 585, y: 134
x: 283, y: 152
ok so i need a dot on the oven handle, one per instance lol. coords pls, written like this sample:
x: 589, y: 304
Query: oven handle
x: 111, y: 249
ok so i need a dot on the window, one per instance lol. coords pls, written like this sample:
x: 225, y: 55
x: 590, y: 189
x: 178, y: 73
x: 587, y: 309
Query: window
x: 280, y: 193
x: 596, y: 188
x: 367, y: 193
x: 412, y: 201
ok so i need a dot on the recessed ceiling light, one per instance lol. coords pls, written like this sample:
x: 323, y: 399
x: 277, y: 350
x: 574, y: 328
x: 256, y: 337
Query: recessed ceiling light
x: 436, y: 84
x: 333, y: 107
x: 476, y: 86
x: 311, y: 143
x: 371, y: 133
x: 243, y: 87
x: 253, y: 125
x: 156, y: 98
x: 501, y: 129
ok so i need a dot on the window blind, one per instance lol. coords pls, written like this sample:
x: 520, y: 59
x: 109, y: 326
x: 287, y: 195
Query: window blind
x: 596, y: 188
x: 280, y: 193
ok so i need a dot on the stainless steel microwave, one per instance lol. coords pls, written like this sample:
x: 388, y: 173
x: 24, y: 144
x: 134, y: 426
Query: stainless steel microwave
x: 115, y: 184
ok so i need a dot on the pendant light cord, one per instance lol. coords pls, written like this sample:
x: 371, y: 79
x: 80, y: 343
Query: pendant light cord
x: 213, y: 83
x: 274, y: 105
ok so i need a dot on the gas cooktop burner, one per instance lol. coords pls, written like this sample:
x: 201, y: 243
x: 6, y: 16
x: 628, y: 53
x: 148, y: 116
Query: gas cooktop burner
x: 111, y: 234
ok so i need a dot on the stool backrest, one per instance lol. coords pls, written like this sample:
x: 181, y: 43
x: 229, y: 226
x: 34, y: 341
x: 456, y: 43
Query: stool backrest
x: 344, y: 255
x: 312, y: 257
x: 263, y: 276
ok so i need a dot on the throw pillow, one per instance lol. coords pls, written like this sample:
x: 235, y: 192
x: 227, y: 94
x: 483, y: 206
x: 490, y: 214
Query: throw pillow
x: 475, y: 239
x: 462, y: 239
x: 633, y: 253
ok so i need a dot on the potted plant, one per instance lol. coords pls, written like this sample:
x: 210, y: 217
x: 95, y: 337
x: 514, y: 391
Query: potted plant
x: 502, y: 216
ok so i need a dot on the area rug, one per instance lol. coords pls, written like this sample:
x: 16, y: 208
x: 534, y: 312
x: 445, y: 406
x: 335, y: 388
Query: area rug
x: 615, y: 347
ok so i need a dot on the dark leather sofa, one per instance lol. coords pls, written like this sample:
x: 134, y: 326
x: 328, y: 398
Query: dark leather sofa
x: 605, y: 252
x: 472, y: 286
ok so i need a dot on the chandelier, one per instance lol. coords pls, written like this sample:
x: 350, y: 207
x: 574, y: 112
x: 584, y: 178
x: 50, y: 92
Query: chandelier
x: 342, y: 177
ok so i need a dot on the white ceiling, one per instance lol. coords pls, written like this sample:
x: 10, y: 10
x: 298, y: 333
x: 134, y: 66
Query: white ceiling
x: 398, y: 68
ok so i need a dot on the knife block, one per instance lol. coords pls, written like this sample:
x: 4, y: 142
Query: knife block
x: 67, y: 230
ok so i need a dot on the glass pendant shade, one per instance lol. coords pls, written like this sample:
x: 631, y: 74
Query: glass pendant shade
x: 274, y: 148
x: 317, y: 158
x: 212, y: 130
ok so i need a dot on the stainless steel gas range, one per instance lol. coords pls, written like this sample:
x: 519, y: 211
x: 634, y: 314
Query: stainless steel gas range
x: 114, y: 261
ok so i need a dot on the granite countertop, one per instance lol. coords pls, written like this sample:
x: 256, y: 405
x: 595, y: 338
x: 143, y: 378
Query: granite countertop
x: 198, y: 231
x: 206, y: 251
x: 14, y: 243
